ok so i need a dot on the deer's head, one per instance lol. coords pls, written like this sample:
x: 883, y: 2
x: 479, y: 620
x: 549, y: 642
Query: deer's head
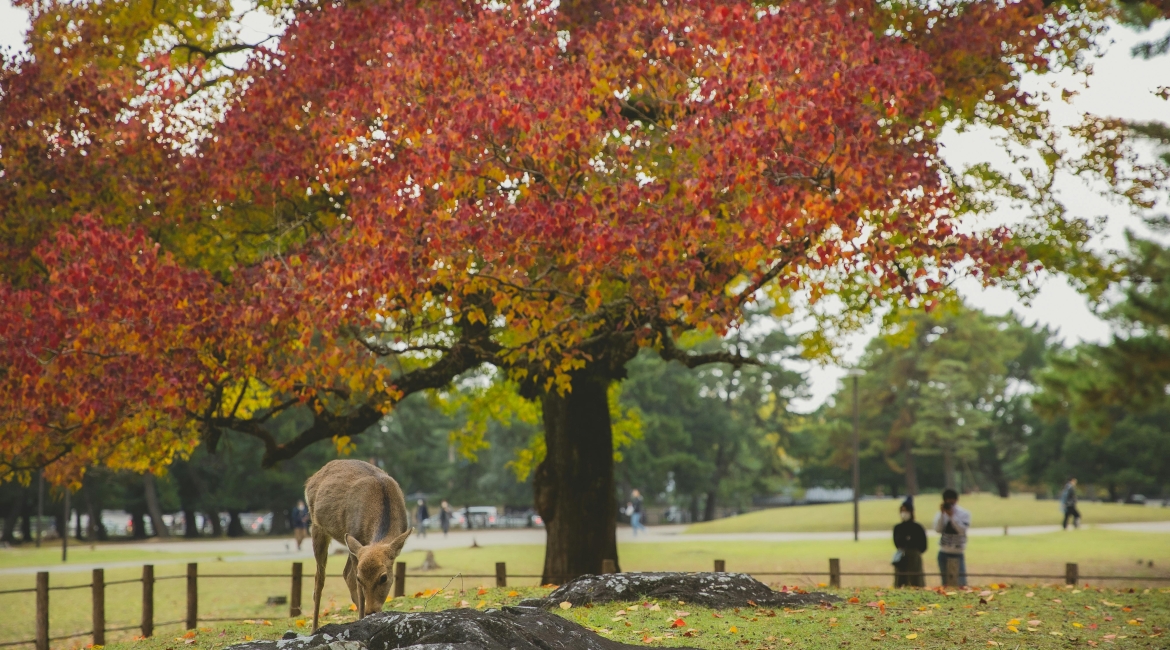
x: 375, y: 569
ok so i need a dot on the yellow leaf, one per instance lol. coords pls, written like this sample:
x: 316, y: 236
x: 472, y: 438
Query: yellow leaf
x: 911, y: 636
x: 733, y: 630
x: 566, y: 605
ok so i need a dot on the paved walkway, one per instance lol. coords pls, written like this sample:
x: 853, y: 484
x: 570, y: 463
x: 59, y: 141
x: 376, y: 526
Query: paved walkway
x: 252, y: 549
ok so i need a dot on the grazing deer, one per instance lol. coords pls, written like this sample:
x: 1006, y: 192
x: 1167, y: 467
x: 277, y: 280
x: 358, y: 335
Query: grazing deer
x: 359, y: 505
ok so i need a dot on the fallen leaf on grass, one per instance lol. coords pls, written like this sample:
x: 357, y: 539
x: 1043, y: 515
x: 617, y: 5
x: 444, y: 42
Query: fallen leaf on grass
x: 678, y: 622
x: 912, y: 636
x: 513, y: 594
x: 566, y: 604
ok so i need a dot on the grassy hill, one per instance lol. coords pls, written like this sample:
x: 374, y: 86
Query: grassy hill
x: 986, y: 511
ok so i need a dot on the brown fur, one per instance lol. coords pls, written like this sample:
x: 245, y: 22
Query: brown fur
x: 360, y: 506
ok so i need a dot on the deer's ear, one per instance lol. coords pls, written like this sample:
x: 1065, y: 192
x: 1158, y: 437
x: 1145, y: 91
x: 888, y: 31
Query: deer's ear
x: 353, y: 544
x: 400, y: 541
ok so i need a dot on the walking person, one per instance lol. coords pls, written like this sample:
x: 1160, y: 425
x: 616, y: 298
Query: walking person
x: 299, y: 518
x: 421, y: 515
x: 445, y: 516
x: 910, y: 540
x: 1068, y: 504
x: 636, y: 512
x: 952, y: 522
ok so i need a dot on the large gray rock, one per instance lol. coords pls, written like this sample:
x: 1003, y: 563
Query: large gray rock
x: 718, y: 590
x: 510, y: 628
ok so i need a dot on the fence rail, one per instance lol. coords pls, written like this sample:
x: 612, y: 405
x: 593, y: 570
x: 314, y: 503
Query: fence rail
x: 297, y: 578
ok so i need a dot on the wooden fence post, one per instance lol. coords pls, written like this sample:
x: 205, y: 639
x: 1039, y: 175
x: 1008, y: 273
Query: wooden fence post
x: 951, y: 577
x: 294, y: 596
x: 147, y: 600
x: 42, y: 610
x: 99, y: 606
x: 400, y: 579
x: 1070, y: 574
x: 720, y: 566
x: 834, y: 572
x: 192, y: 595
x: 608, y: 566
x: 501, y: 574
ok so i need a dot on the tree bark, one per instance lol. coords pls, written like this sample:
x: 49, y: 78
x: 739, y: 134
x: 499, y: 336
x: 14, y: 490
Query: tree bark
x: 28, y: 510
x: 574, y: 485
x: 712, y: 494
x: 235, y: 528
x: 152, y: 506
x: 216, y: 525
x: 10, y: 520
x: 911, y: 473
x: 138, y: 523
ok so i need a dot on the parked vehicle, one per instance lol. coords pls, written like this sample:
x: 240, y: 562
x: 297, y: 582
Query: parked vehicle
x: 480, y: 516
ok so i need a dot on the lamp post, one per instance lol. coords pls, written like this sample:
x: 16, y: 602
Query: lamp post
x: 856, y: 374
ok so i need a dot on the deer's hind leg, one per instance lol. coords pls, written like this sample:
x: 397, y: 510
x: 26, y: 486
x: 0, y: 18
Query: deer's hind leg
x: 321, y: 553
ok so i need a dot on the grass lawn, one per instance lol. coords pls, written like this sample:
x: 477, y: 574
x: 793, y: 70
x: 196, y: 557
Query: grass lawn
x: 987, y: 510
x: 1018, y: 616
x: 50, y: 554
x: 1098, y: 552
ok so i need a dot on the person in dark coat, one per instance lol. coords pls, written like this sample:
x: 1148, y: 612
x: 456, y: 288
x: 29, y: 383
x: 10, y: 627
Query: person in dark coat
x: 445, y: 517
x: 299, y: 517
x: 910, y: 540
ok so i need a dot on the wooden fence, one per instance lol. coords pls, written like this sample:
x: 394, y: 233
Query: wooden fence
x: 297, y: 578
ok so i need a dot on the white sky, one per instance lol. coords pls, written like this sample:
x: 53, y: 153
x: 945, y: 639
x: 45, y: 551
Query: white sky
x: 1120, y: 86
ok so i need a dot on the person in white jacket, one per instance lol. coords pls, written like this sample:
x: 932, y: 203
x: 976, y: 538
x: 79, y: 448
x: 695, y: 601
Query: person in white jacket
x: 952, y: 522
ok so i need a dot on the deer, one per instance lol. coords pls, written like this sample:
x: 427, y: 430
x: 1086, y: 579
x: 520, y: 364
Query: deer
x: 360, y: 506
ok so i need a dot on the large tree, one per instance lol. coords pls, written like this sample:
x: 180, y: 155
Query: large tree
x: 397, y: 193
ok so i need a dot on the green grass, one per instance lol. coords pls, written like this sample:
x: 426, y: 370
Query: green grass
x: 1098, y: 552
x: 986, y: 511
x: 50, y: 554
x: 1019, y: 616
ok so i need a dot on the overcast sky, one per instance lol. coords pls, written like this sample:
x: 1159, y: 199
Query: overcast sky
x: 1120, y: 86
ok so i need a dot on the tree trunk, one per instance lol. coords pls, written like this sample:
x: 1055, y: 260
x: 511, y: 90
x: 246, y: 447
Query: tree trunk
x: 152, y: 506
x: 235, y: 528
x: 709, y: 513
x: 911, y: 473
x: 27, y: 513
x: 709, y: 506
x: 216, y: 525
x: 10, y: 520
x: 80, y: 535
x: 280, y: 523
x: 190, y: 491
x: 949, y: 468
x: 694, y: 507
x: 574, y: 485
x: 138, y: 522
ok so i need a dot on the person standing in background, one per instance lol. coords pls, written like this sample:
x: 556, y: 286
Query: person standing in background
x: 636, y: 512
x: 445, y: 517
x: 952, y: 522
x: 420, y: 517
x: 299, y: 518
x: 910, y: 540
x: 1068, y: 504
